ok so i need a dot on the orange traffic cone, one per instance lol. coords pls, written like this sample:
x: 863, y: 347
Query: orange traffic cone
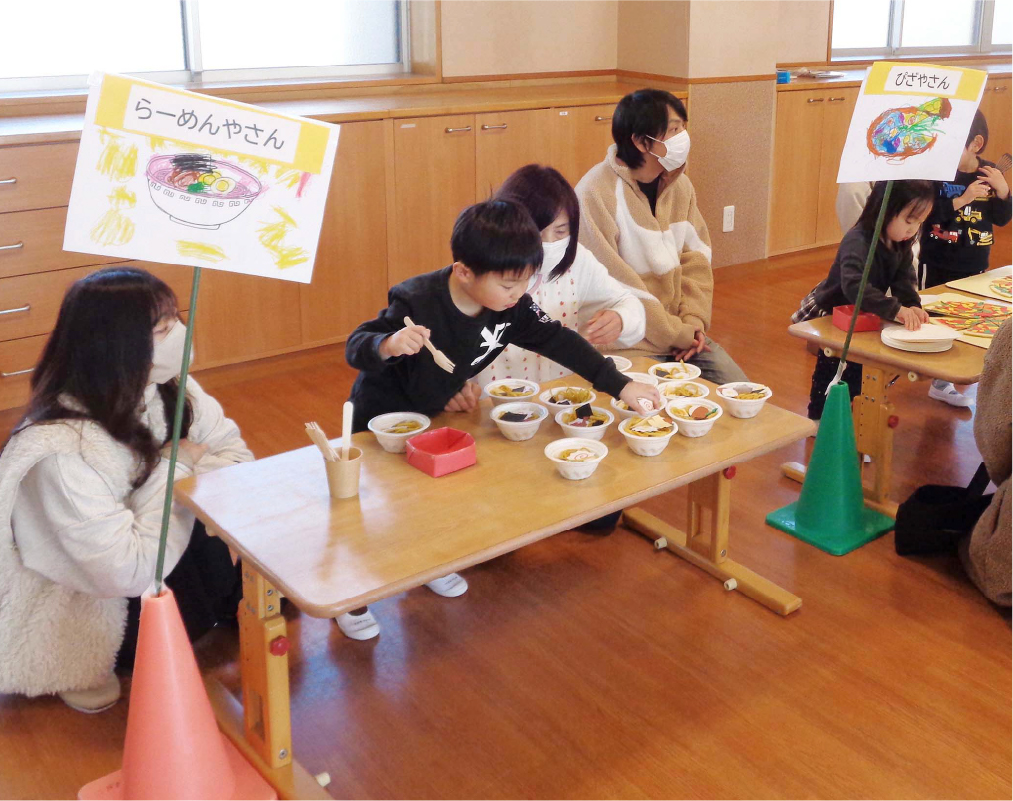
x: 173, y: 746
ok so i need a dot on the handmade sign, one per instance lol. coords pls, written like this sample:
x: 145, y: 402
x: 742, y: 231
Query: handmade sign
x: 910, y: 121
x: 167, y: 175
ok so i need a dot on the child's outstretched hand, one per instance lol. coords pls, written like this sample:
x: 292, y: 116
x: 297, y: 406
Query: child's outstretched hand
x: 975, y: 190
x: 912, y: 317
x: 604, y: 328
x: 406, y: 342
x: 993, y: 178
x: 633, y: 392
x: 465, y: 400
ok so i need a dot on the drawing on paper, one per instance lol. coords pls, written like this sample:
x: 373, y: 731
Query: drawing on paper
x: 200, y: 191
x: 899, y: 133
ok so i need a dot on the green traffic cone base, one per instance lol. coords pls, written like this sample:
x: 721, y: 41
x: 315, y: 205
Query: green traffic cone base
x: 831, y: 513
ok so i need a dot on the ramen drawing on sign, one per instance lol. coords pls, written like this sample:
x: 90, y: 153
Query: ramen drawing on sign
x: 200, y: 191
x: 899, y: 133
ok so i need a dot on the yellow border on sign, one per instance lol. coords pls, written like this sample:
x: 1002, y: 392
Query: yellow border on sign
x: 114, y: 96
x: 969, y: 88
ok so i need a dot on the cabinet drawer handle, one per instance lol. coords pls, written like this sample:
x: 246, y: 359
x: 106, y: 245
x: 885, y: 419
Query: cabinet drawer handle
x: 26, y: 307
x: 835, y: 99
x: 1000, y: 89
x: 815, y: 100
x: 457, y: 130
x: 493, y: 127
x: 17, y: 372
x: 8, y: 181
x: 602, y: 119
x: 15, y: 246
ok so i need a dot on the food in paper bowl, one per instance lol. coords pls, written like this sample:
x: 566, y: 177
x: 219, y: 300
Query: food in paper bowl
x: 576, y: 457
x: 625, y: 411
x: 670, y: 390
x: 647, y: 436
x: 621, y: 362
x: 587, y: 421
x: 744, y: 398
x: 643, y: 378
x: 394, y: 429
x: 511, y: 389
x: 695, y: 417
x: 519, y: 420
x: 674, y: 371
x: 559, y: 398
x: 198, y: 190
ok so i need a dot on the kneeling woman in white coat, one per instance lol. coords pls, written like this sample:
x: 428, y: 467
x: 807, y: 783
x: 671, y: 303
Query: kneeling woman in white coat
x: 82, y: 483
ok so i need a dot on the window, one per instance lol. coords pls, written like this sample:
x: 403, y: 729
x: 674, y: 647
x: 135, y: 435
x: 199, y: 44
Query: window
x: 183, y: 41
x: 884, y: 28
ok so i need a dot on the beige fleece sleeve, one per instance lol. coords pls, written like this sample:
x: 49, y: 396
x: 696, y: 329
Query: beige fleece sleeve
x: 697, y: 275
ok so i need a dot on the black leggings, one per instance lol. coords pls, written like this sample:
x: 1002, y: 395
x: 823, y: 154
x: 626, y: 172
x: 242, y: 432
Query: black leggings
x: 207, y: 588
x: 823, y: 374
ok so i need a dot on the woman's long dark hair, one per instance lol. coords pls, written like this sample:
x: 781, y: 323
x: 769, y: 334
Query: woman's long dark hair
x: 545, y: 193
x: 921, y: 193
x: 100, y: 355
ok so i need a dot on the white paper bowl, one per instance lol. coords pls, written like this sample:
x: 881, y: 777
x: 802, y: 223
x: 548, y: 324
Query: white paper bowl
x: 544, y: 398
x: 694, y: 428
x: 646, y: 446
x: 621, y: 362
x: 687, y: 372
x: 518, y: 432
x: 625, y: 413
x: 596, y: 432
x: 513, y: 382
x: 643, y: 378
x: 743, y: 408
x: 395, y: 443
x: 668, y: 388
x: 575, y: 470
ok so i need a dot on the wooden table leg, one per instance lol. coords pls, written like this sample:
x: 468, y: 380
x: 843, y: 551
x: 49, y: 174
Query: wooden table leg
x: 706, y: 546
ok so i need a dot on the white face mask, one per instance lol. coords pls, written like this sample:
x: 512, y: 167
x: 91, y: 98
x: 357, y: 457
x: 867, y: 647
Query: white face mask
x: 553, y: 252
x: 676, y: 150
x: 167, y: 359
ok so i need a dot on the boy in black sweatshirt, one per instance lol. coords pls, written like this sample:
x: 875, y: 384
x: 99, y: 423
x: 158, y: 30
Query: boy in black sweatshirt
x: 470, y: 311
x: 958, y: 234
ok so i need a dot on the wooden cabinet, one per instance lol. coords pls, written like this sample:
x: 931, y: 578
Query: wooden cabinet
x: 32, y: 242
x: 505, y: 141
x: 997, y: 106
x: 581, y: 135
x: 809, y: 133
x: 350, y: 275
x: 434, y: 176
x: 18, y: 358
x: 36, y: 176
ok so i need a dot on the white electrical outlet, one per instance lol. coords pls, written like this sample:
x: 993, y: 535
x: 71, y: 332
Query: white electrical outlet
x: 728, y: 219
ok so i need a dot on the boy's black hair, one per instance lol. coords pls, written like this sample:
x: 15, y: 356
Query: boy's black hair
x: 978, y: 128
x: 642, y: 113
x: 497, y: 236
x: 922, y: 193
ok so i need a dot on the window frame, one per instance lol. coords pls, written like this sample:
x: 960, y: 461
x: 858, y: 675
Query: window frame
x: 983, y: 45
x: 194, y: 74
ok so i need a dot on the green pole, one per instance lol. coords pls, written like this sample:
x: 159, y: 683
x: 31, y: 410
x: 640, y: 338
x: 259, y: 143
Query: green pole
x: 177, y: 425
x: 865, y: 280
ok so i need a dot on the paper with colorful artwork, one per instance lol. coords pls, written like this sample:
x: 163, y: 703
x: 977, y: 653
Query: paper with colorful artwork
x: 975, y: 321
x: 910, y: 121
x: 167, y: 175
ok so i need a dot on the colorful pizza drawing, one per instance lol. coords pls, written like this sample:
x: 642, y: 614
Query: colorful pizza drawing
x: 971, y: 309
x: 1002, y: 286
x: 956, y: 323
x: 899, y: 133
x: 984, y: 328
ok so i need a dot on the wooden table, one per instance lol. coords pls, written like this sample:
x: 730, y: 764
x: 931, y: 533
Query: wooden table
x: 405, y: 528
x: 872, y: 411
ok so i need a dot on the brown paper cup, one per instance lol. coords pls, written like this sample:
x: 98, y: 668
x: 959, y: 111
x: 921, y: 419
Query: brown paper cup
x: 343, y: 476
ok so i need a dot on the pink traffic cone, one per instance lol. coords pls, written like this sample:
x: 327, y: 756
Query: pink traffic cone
x: 173, y: 749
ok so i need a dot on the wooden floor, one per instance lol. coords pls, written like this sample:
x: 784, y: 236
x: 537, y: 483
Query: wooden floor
x: 585, y: 666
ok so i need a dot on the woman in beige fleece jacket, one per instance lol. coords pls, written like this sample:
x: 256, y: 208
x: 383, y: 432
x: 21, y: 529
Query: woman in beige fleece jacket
x: 640, y: 219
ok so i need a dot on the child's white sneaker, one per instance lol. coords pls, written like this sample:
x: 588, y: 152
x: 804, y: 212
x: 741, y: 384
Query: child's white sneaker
x: 449, y: 586
x: 358, y: 627
x: 94, y: 699
x: 947, y: 393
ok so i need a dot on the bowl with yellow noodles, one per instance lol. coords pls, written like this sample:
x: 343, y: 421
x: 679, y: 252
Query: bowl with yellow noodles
x: 576, y: 457
x: 647, y: 436
x: 519, y: 420
x: 671, y: 390
x: 694, y: 416
x: 511, y: 389
x: 674, y: 371
x: 560, y: 398
x: 744, y: 398
x: 393, y: 430
x: 625, y: 411
x: 588, y: 422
